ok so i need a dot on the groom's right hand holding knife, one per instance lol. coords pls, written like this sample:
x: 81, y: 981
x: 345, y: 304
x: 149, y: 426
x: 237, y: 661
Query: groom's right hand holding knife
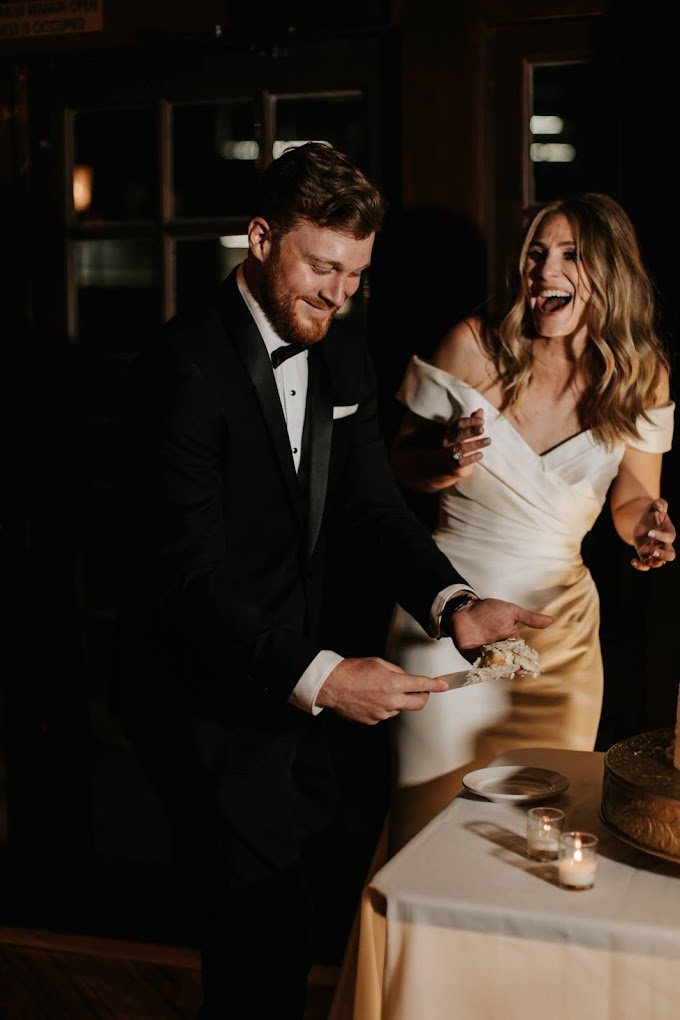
x: 369, y: 690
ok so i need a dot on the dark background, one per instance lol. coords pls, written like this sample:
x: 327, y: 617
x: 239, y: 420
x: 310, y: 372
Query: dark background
x: 442, y: 92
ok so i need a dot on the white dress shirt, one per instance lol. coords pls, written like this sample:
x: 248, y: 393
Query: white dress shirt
x: 291, y: 382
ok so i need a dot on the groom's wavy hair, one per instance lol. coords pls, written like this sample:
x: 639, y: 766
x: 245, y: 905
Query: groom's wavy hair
x: 624, y: 356
x: 320, y: 184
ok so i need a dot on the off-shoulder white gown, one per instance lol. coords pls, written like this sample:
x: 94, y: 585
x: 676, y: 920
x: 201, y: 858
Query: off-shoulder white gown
x: 513, y: 528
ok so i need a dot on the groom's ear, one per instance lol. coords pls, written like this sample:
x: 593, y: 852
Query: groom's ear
x: 259, y: 239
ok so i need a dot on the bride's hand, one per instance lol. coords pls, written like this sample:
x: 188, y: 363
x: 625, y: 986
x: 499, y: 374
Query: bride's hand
x: 465, y: 440
x: 653, y: 536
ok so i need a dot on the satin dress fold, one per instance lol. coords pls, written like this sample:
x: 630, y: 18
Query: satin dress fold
x: 513, y: 528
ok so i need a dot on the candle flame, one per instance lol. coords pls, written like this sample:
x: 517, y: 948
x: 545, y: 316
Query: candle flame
x: 578, y: 855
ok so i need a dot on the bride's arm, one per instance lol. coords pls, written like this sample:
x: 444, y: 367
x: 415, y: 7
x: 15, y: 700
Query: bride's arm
x: 423, y: 453
x: 427, y: 456
x: 639, y: 513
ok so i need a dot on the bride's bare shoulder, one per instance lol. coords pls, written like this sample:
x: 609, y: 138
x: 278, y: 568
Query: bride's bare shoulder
x: 461, y: 352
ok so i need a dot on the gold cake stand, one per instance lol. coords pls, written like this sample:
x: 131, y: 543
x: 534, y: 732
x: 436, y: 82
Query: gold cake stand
x: 641, y: 793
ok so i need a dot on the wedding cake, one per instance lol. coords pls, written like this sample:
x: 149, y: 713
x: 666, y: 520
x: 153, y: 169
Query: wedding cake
x: 641, y: 791
x: 502, y: 660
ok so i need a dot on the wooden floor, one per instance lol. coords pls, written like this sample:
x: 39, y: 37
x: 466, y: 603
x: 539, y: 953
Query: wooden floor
x: 54, y: 976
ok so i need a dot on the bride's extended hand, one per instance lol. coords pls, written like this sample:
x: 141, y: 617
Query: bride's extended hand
x: 653, y: 536
x: 465, y: 439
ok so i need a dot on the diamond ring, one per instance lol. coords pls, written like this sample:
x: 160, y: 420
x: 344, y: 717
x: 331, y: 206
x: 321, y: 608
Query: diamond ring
x: 455, y: 456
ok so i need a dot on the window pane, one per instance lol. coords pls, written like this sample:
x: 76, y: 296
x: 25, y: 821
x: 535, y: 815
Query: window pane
x: 572, y: 133
x: 201, y: 264
x: 113, y: 165
x: 118, y: 292
x: 338, y: 120
x: 215, y: 158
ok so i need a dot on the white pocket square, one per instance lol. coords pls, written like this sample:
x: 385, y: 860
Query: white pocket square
x: 342, y: 410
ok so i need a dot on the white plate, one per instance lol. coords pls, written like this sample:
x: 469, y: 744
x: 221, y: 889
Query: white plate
x: 518, y: 783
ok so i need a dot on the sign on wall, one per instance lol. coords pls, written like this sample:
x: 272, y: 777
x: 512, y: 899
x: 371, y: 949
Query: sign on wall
x: 32, y: 18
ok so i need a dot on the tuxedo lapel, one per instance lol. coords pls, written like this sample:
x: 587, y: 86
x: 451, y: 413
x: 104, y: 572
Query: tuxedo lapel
x: 248, y: 342
x: 319, y: 416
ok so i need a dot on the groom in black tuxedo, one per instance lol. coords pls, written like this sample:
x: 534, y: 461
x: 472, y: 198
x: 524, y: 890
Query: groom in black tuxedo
x: 250, y: 434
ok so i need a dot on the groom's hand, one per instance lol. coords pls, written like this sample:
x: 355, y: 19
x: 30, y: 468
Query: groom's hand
x: 488, y: 620
x: 371, y: 689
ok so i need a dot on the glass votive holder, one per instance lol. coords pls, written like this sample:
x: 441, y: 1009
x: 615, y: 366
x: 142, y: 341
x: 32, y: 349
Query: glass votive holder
x: 544, y: 825
x: 577, y: 861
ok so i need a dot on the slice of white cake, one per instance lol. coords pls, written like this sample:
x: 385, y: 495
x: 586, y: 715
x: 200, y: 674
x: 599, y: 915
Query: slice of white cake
x: 504, y: 659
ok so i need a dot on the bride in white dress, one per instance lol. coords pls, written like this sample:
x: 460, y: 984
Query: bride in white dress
x: 524, y: 431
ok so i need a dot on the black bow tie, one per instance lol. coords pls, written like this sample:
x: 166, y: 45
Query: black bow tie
x: 280, y: 354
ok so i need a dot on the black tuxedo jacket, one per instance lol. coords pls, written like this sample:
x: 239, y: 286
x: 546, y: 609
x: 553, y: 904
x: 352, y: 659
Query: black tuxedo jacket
x: 224, y: 542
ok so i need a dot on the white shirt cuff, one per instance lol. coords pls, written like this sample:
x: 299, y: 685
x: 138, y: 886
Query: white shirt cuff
x: 304, y: 693
x: 439, y: 605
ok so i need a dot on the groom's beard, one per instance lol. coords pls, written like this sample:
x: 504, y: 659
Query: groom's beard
x: 283, y: 308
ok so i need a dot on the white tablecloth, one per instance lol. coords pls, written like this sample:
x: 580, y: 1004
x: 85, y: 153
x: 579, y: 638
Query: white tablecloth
x: 461, y: 925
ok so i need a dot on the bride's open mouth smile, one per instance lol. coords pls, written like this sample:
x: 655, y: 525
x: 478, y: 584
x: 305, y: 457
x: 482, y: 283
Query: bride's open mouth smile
x: 550, y: 301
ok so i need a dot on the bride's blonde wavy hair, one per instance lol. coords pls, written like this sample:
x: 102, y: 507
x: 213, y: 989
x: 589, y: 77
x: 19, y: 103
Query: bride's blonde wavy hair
x: 624, y: 357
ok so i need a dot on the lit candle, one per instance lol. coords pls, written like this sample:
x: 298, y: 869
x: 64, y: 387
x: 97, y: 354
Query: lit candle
x: 577, y: 860
x: 543, y: 833
x: 543, y: 840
